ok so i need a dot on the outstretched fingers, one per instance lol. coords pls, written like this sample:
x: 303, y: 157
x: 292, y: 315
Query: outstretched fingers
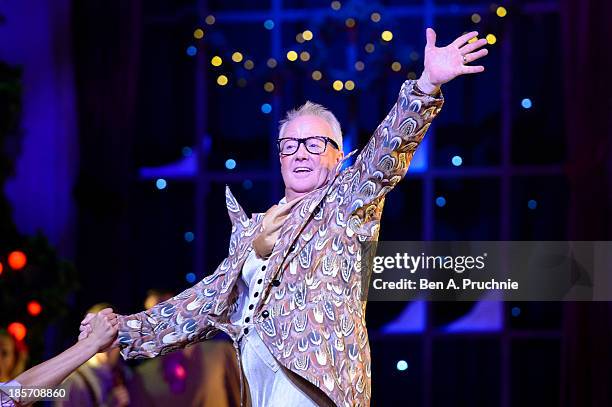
x: 475, y: 55
x: 459, y: 42
x: 472, y: 69
x: 472, y: 46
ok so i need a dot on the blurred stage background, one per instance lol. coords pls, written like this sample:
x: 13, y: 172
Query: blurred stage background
x: 124, y: 120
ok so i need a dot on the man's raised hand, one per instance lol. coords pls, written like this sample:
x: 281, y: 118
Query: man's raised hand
x: 443, y: 64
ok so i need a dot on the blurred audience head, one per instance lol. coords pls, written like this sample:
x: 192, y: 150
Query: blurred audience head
x: 13, y: 356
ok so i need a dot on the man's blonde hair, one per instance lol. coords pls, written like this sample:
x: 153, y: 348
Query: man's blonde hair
x: 313, y: 109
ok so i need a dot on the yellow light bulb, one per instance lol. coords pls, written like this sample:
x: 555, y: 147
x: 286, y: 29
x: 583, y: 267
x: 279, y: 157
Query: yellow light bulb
x: 237, y: 57
x: 216, y: 61
x: 386, y: 35
x: 307, y: 35
x: 222, y: 80
x: 338, y: 85
x: 198, y: 34
x: 292, y: 56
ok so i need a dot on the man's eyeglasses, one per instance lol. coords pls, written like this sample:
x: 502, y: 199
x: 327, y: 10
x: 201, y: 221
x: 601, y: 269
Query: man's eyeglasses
x: 314, y: 145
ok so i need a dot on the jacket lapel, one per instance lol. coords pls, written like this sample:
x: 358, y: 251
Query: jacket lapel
x: 287, y: 244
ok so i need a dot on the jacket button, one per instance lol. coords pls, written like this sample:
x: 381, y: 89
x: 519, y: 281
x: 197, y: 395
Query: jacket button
x: 292, y: 248
x: 265, y: 314
x: 247, y: 319
x: 275, y: 283
x: 246, y: 331
x: 263, y: 268
x: 260, y: 281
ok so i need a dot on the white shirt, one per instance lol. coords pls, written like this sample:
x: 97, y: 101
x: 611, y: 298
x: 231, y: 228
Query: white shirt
x: 252, y: 276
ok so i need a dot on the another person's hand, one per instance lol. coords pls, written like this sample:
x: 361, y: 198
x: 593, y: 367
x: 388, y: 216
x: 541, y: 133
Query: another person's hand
x: 85, y: 327
x: 443, y: 64
x: 101, y: 328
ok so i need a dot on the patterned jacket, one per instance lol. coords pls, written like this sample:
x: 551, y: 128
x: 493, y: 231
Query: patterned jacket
x: 311, y: 315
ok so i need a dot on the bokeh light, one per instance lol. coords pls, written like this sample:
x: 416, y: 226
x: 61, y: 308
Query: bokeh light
x: 210, y: 19
x: 526, y: 103
x: 491, y: 39
x: 349, y: 85
x: 266, y: 108
x: 307, y: 35
x: 317, y: 75
x: 237, y: 57
x: 34, y: 308
x: 198, y: 34
x: 17, y: 260
x: 189, y: 236
x: 222, y: 80
x: 292, y: 56
x: 269, y: 24
x: 18, y: 330
x: 375, y: 17
x: 216, y: 61
x: 161, y: 183
x: 191, y: 50
x: 457, y: 161
x: 440, y: 201
x: 230, y: 163
x: 338, y: 85
x: 501, y: 11
x: 402, y: 365
x: 386, y: 35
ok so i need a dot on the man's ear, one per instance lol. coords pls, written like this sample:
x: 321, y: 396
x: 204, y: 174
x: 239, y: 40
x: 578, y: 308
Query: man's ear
x: 339, y: 157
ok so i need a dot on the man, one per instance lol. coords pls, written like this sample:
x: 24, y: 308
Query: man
x: 103, y: 330
x: 288, y: 293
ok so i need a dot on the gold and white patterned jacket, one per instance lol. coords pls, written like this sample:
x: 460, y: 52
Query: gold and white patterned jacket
x: 311, y: 316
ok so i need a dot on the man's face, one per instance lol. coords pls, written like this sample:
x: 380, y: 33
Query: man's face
x: 304, y: 172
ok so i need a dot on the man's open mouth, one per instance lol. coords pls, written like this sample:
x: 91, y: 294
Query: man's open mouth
x: 302, y: 169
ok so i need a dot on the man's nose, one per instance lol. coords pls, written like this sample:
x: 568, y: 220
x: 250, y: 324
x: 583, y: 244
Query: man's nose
x: 302, y: 153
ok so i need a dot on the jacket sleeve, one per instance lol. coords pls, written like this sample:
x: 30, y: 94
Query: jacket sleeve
x: 384, y: 161
x: 171, y: 324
